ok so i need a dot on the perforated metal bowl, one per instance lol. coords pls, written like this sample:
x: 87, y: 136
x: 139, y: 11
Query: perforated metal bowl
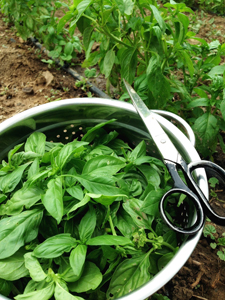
x: 65, y: 120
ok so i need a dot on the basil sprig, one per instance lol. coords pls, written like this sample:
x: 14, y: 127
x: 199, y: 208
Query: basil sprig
x: 81, y: 220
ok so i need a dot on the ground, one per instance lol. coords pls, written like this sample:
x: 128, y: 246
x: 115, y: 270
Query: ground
x: 26, y: 82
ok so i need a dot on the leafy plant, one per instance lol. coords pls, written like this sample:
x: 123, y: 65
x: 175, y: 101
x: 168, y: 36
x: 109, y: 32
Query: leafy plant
x: 81, y: 218
x: 37, y: 19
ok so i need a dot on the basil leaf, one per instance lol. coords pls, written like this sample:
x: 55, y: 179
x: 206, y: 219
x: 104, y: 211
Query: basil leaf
x: 138, y: 151
x: 150, y: 174
x: 103, y: 165
x: 26, y: 196
x: 18, y: 230
x: 90, y: 279
x: 5, y: 287
x: 34, y: 168
x: 77, y: 259
x: 110, y: 240
x: 43, y: 294
x: 99, y: 185
x: 62, y: 294
x: 84, y: 201
x: 34, y: 267
x: 11, y: 180
x: 13, y: 151
x: 90, y: 135
x: 68, y: 151
x: 53, y: 199
x: 34, y: 286
x: 13, y: 267
x: 87, y: 225
x: 133, y: 208
x: 55, y: 246
x: 36, y: 143
x: 105, y: 200
x: 128, y: 276
x: 150, y: 204
x: 76, y: 192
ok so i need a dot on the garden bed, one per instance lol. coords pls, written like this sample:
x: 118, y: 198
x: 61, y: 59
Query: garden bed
x: 26, y: 82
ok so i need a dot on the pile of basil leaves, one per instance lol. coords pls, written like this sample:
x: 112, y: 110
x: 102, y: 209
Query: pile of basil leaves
x: 81, y: 220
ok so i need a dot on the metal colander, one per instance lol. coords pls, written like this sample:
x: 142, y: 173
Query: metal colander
x: 65, y: 120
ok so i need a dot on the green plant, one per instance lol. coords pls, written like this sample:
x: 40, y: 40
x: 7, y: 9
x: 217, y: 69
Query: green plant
x: 149, y: 45
x: 37, y: 18
x: 210, y: 230
x: 76, y: 217
x: 215, y: 6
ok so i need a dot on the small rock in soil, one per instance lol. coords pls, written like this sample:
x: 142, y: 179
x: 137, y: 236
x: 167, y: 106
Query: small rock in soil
x: 28, y: 90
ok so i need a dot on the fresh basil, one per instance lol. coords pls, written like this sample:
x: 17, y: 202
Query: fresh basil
x: 71, y: 215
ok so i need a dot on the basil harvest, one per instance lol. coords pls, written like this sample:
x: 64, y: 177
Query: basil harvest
x: 81, y: 220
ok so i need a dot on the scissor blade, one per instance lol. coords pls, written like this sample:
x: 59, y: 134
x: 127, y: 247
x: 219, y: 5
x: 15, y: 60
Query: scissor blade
x: 161, y: 139
x: 137, y: 101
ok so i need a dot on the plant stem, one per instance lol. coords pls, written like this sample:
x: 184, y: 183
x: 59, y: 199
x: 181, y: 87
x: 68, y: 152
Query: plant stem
x: 111, y: 226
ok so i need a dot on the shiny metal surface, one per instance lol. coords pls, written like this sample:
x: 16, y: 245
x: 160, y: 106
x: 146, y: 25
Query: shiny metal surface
x: 53, y: 118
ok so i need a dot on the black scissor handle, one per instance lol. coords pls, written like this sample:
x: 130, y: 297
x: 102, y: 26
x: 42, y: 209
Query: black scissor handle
x: 199, y: 218
x: 215, y: 171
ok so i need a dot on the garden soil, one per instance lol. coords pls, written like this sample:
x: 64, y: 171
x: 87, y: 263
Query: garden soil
x: 25, y: 82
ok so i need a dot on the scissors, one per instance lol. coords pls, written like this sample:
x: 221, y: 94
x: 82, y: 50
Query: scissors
x: 174, y: 162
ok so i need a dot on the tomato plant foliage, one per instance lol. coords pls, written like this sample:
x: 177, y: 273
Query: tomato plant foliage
x: 78, y: 218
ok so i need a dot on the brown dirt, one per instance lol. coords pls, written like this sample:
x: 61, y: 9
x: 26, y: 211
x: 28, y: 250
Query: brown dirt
x: 26, y: 82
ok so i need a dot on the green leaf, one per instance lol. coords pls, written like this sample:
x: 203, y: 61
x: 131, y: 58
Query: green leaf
x: 222, y: 108
x: 199, y: 102
x: 209, y: 230
x: 27, y: 196
x: 221, y: 254
x: 13, y: 267
x: 187, y: 62
x: 87, y: 225
x: 109, y: 240
x: 34, y: 267
x: 125, y: 6
x: 68, y: 48
x: 18, y: 230
x: 62, y: 294
x: 157, y: 83
x: 105, y: 200
x: 217, y: 70
x: 99, y: 185
x: 55, y: 246
x: 87, y: 36
x: 128, y: 276
x: 150, y: 204
x: 103, y: 165
x: 158, y: 17
x: 11, y: 180
x: 90, y: 279
x: 53, y: 199
x: 5, y: 287
x: 81, y: 7
x: 77, y: 259
x: 83, y: 202
x: 43, y: 294
x: 206, y: 129
x: 108, y: 62
x: 138, y: 151
x: 62, y: 22
x: 29, y: 22
x: 76, y: 192
x: 129, y: 64
x: 68, y: 151
x: 90, y: 135
x: 36, y: 143
x: 133, y: 208
x: 13, y: 151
